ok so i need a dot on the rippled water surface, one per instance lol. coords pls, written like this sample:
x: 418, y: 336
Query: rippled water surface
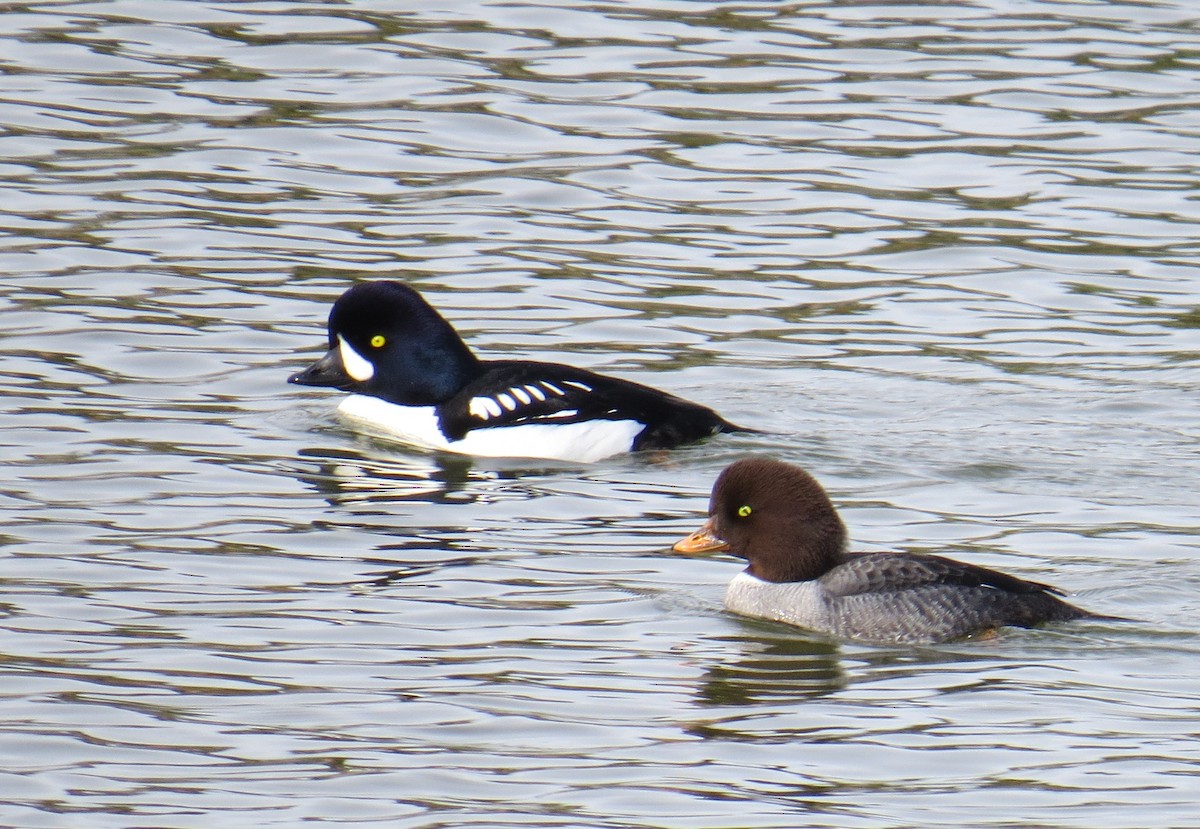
x: 945, y: 254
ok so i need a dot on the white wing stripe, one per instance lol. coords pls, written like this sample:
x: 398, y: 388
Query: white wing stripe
x: 486, y: 408
x: 483, y: 408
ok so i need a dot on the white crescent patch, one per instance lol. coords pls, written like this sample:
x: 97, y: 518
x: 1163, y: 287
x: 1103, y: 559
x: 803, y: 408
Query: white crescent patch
x: 357, y: 366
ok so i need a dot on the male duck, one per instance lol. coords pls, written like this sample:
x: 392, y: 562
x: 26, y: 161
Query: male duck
x: 411, y: 376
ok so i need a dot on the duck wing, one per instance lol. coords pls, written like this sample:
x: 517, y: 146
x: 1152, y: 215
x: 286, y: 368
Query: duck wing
x: 894, y: 572
x: 519, y: 392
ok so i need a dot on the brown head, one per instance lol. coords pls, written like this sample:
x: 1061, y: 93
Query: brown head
x: 774, y: 515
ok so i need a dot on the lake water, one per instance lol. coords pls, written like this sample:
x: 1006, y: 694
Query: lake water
x: 945, y: 254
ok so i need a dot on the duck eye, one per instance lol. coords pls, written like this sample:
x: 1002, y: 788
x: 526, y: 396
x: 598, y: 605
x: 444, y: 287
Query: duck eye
x: 378, y: 340
x: 744, y: 511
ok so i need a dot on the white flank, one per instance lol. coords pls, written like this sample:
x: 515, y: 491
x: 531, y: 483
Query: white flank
x: 521, y: 395
x: 536, y: 392
x: 581, y: 386
x: 584, y: 442
x: 354, y: 363
x: 553, y: 389
x: 506, y: 401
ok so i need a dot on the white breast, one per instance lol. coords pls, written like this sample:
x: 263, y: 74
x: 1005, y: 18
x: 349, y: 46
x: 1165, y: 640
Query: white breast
x: 586, y: 442
x: 799, y: 603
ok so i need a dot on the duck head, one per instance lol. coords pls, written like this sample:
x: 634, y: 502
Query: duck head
x: 386, y: 341
x: 774, y: 515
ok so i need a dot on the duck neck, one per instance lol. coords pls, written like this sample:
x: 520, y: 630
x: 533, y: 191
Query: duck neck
x: 803, y: 554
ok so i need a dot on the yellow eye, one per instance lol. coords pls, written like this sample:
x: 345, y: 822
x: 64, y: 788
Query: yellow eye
x: 378, y: 340
x: 744, y: 511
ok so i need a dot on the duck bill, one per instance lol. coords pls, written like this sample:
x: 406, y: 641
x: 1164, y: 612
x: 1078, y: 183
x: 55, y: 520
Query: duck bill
x: 327, y: 372
x: 703, y: 540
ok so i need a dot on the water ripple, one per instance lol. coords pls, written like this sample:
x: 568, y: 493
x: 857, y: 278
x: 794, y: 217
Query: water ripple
x: 943, y: 254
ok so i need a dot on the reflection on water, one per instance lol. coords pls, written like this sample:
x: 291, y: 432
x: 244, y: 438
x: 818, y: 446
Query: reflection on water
x: 342, y: 476
x: 943, y: 254
x: 778, y: 668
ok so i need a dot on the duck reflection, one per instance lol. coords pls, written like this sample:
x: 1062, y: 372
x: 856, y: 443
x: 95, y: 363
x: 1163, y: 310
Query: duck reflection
x: 344, y: 476
x: 378, y: 474
x: 777, y: 666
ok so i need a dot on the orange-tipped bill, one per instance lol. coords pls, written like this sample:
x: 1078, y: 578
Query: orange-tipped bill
x: 703, y: 540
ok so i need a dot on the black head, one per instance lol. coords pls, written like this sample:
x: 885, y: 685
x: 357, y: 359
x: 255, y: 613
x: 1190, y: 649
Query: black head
x: 386, y: 341
x: 774, y: 515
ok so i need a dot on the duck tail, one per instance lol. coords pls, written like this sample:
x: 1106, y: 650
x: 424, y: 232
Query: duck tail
x: 725, y: 427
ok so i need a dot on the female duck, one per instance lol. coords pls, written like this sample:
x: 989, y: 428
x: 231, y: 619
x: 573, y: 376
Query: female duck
x: 778, y: 518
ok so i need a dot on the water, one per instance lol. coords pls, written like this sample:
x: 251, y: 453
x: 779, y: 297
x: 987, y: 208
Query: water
x: 945, y: 254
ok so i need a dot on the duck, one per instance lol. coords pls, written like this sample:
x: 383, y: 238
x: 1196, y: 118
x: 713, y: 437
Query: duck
x: 779, y: 519
x: 412, y: 378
